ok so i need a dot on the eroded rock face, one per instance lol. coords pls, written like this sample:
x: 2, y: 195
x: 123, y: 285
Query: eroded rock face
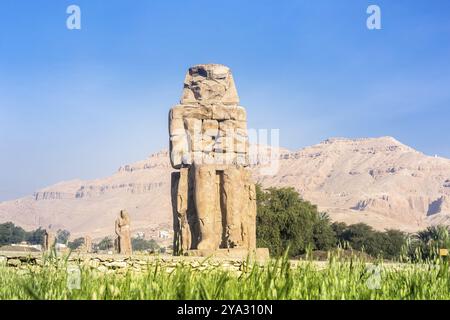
x: 213, y: 197
x: 341, y: 176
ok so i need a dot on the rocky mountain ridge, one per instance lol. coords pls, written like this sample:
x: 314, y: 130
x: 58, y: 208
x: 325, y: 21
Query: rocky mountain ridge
x: 379, y: 181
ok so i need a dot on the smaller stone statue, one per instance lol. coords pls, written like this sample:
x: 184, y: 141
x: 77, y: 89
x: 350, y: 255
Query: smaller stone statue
x: 49, y: 240
x: 86, y: 247
x: 123, y: 233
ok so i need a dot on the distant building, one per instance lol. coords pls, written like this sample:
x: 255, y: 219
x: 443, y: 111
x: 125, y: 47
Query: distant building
x: 139, y: 235
x: 25, y: 244
x: 60, y: 246
x: 164, y: 234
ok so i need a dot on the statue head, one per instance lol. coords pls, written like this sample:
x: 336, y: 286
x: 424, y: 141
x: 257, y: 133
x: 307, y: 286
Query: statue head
x: 124, y: 215
x: 209, y: 83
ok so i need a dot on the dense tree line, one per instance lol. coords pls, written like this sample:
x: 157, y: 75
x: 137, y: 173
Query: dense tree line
x: 62, y: 236
x: 107, y: 243
x: 140, y: 244
x: 287, y: 222
x: 361, y: 237
x: 10, y: 234
x: 427, y: 243
x: 76, y: 243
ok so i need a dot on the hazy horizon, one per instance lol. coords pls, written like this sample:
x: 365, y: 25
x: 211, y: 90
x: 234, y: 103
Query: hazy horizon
x: 80, y: 103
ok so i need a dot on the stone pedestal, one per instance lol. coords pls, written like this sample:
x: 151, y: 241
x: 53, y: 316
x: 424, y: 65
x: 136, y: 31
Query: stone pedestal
x: 258, y: 254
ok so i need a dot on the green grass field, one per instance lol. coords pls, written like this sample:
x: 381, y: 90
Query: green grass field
x: 277, y: 280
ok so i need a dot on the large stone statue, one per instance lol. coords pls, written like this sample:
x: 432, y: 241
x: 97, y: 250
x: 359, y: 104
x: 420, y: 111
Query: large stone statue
x: 49, y: 240
x: 123, y: 233
x: 213, y: 197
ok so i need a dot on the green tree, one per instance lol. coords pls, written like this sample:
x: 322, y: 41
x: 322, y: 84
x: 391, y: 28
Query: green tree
x: 339, y: 229
x: 75, y: 244
x: 139, y: 244
x: 36, y: 236
x: 62, y: 236
x: 285, y: 220
x: 10, y: 234
x: 106, y: 244
x: 362, y: 237
x: 425, y: 244
x: 434, y: 235
x: 394, y: 242
x: 323, y: 234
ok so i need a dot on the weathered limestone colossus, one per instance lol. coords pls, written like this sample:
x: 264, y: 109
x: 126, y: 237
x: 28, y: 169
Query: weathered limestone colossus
x: 122, y: 228
x: 213, y: 197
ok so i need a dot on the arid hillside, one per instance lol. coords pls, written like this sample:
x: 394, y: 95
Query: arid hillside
x: 378, y: 181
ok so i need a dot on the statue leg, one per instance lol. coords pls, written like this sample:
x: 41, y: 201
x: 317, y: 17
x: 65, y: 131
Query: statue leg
x: 129, y: 246
x: 248, y: 217
x: 251, y: 216
x: 116, y: 245
x: 122, y: 245
x: 205, y: 203
x: 176, y: 219
x: 182, y: 207
x: 180, y: 199
x: 233, y: 192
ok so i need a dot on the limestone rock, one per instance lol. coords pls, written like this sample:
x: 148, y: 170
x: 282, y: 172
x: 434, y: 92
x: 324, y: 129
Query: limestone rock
x: 14, y: 262
x: 176, y: 127
x: 221, y: 113
x: 233, y: 125
x: 190, y: 111
x: 116, y: 264
x: 210, y: 128
x: 102, y: 268
x: 179, y: 151
x: 209, y: 83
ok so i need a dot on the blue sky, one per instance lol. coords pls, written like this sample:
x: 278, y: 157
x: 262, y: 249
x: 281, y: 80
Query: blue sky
x: 78, y: 104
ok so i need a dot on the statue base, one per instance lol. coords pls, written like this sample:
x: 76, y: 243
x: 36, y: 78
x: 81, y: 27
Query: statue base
x: 259, y: 254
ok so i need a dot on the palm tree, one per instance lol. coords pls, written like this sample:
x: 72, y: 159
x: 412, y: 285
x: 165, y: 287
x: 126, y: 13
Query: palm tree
x: 431, y: 240
x: 434, y: 235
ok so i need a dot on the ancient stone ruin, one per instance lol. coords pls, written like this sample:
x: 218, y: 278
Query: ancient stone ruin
x: 213, y: 197
x: 49, y: 240
x: 122, y: 228
x: 86, y: 247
